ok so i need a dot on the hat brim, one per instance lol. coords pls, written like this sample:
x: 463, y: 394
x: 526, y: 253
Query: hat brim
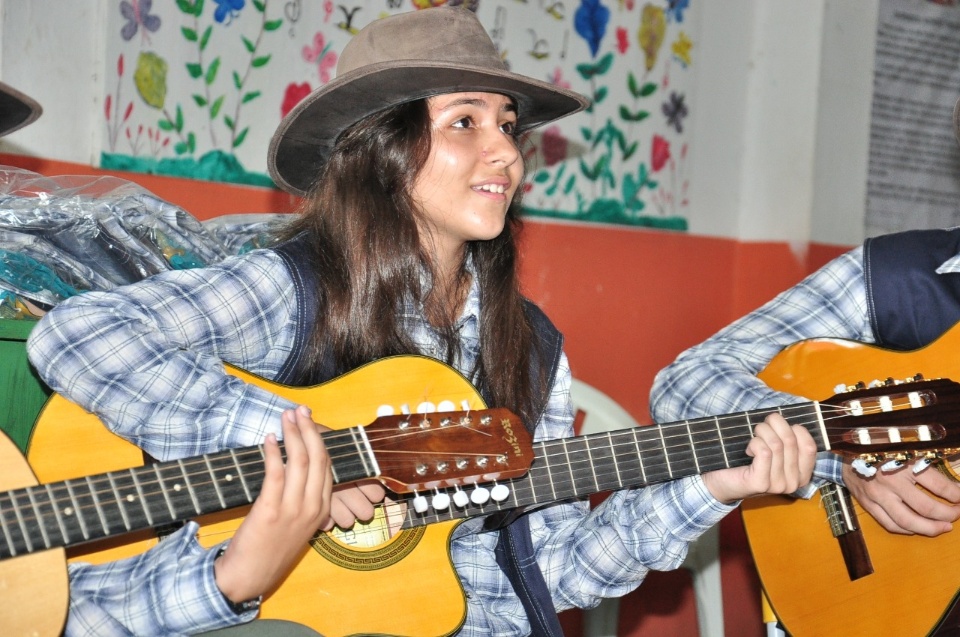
x: 306, y: 136
x: 16, y: 109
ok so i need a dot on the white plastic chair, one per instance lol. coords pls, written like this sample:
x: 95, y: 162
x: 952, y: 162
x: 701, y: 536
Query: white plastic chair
x: 602, y: 413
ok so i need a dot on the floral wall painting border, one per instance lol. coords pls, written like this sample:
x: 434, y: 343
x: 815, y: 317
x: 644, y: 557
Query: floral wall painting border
x: 195, y: 88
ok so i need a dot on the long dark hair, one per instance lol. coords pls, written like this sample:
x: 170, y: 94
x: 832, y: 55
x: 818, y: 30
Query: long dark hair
x: 362, y: 236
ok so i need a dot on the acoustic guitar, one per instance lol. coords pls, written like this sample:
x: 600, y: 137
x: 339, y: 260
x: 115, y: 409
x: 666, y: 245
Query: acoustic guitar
x: 915, y: 580
x: 394, y: 576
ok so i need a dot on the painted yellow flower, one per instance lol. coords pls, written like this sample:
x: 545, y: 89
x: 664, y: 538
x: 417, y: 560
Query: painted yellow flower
x: 681, y: 48
x: 151, y: 79
x: 653, y: 26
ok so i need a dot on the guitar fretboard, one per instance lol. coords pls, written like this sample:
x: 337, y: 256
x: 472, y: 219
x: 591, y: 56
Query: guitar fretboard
x: 577, y: 467
x: 100, y: 506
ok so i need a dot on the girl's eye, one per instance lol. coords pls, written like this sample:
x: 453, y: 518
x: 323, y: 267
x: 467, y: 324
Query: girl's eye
x: 509, y: 128
x: 463, y: 122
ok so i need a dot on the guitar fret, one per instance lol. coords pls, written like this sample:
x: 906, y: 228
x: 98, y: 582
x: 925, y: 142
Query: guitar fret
x: 214, y: 481
x: 77, y: 511
x: 564, y: 483
x: 723, y: 447
x: 592, y: 464
x: 163, y: 490
x: 119, y: 500
x: 613, y: 456
x: 243, y: 479
x: 666, y: 454
x: 177, y: 494
x: 56, y: 512
x: 186, y: 481
x: 7, y: 535
x: 140, y: 496
x: 693, y: 449
x: 20, y: 521
x: 38, y: 516
x: 96, y: 503
x: 705, y: 442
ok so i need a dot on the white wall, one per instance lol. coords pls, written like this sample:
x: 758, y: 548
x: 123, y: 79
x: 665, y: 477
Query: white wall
x: 780, y: 127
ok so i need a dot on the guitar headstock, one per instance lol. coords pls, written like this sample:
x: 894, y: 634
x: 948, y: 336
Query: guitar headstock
x: 895, y: 420
x: 421, y: 452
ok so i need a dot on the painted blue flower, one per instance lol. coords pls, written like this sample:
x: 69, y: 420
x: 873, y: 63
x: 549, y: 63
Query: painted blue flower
x: 590, y: 21
x: 227, y: 10
x: 675, y: 9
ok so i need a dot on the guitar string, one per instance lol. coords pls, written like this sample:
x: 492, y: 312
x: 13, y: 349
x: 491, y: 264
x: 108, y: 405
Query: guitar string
x: 727, y: 440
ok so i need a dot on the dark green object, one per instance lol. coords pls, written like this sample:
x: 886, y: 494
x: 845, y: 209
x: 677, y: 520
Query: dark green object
x: 22, y: 393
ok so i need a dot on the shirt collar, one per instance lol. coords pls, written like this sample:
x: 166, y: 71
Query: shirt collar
x: 950, y: 266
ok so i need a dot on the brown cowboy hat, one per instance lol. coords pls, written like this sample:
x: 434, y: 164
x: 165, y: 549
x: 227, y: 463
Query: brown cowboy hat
x: 399, y: 59
x: 16, y: 109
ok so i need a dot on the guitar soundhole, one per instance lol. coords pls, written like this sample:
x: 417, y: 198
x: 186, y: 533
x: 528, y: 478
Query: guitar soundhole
x: 369, y: 546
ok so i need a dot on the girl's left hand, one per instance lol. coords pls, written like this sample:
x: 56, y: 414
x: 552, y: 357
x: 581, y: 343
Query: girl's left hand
x: 783, y: 461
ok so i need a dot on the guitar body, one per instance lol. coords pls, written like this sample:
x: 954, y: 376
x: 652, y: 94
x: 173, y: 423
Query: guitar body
x: 368, y: 581
x: 915, y: 580
x: 33, y: 587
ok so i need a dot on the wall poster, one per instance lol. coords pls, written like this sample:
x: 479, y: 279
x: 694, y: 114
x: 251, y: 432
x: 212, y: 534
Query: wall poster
x: 913, y: 179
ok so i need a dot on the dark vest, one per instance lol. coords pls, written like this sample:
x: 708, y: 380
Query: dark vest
x: 910, y: 305
x: 514, y: 551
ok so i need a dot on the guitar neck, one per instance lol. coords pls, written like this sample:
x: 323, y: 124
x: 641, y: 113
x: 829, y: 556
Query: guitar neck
x: 95, y: 507
x: 577, y: 467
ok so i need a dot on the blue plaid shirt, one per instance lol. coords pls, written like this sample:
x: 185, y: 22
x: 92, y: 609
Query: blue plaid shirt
x: 147, y: 359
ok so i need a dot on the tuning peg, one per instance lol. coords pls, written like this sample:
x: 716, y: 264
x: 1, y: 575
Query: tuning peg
x: 864, y: 468
x: 460, y: 498
x: 440, y: 501
x: 480, y: 495
x: 839, y: 389
x: 500, y: 492
x: 875, y: 383
x: 891, y: 465
x: 420, y: 504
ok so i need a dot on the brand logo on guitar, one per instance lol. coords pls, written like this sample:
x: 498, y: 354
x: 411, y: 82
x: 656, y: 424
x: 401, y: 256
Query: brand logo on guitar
x: 511, y: 438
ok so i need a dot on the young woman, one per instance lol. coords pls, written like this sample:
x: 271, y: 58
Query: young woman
x: 410, y: 166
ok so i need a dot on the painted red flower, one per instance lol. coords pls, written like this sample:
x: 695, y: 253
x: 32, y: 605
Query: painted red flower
x: 659, y: 153
x: 553, y: 145
x: 623, y: 40
x: 292, y: 97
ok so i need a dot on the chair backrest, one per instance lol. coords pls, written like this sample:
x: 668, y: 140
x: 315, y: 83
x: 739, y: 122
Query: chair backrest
x: 601, y: 413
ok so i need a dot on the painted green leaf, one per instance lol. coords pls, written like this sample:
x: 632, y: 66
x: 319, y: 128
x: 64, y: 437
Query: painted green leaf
x: 178, y: 122
x: 200, y: 100
x: 206, y: 37
x: 569, y: 185
x: 600, y: 94
x: 541, y: 177
x: 165, y: 125
x: 212, y: 71
x: 630, y: 116
x: 586, y: 132
x: 189, y: 34
x: 632, y: 84
x: 630, y: 150
x: 251, y: 47
x: 604, y: 64
x: 180, y: 148
x: 229, y: 122
x: 195, y: 70
x: 237, y: 81
x: 151, y: 78
x: 260, y: 61
x: 191, y: 8
x: 191, y: 142
x: 252, y: 95
x: 272, y: 25
x: 648, y: 89
x: 215, y: 109
x: 261, y: 6
x: 241, y: 137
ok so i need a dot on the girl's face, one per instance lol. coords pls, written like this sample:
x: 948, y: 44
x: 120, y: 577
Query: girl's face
x: 472, y: 172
